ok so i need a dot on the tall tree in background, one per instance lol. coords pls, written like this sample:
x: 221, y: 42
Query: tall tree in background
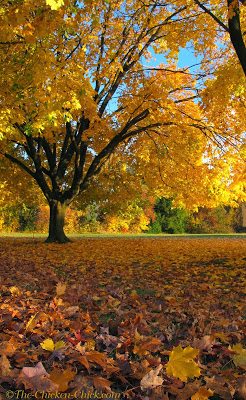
x: 80, y: 102
x: 230, y: 22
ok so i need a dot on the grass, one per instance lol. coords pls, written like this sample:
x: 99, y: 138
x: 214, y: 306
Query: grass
x: 36, y: 235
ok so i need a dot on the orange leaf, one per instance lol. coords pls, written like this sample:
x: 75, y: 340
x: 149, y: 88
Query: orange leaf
x: 5, y: 366
x: 202, y: 394
x: 60, y: 288
x: 62, y: 378
x: 98, y: 358
x: 101, y: 383
x: 84, y: 362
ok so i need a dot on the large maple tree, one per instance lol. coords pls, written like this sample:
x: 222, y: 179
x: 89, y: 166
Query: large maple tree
x: 80, y: 96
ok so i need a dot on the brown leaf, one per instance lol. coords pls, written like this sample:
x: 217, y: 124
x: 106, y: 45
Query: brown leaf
x: 5, y: 366
x: 70, y: 311
x: 84, y: 362
x: 98, y: 358
x: 147, y: 345
x: 62, y: 378
x: 38, y: 370
x: 101, y: 383
x: 36, y: 378
x: 151, y: 379
x: 205, y: 343
x: 60, y: 288
x: 241, y: 387
x: 218, y: 386
x: 9, y: 347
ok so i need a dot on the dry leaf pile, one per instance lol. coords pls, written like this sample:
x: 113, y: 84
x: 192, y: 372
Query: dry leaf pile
x: 142, y: 318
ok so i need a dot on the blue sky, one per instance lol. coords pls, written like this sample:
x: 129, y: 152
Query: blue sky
x: 187, y: 57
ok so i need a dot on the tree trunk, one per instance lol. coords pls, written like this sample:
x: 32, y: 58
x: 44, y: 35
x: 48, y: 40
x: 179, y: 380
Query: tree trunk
x: 56, y: 223
x: 244, y: 215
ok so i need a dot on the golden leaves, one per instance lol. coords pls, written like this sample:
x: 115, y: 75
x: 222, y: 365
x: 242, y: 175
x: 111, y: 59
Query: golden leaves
x: 239, y: 358
x: 49, y: 345
x: 202, y: 394
x: 55, y: 4
x: 60, y: 288
x: 181, y: 363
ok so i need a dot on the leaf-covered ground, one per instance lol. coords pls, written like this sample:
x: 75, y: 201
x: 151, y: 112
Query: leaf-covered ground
x: 123, y: 318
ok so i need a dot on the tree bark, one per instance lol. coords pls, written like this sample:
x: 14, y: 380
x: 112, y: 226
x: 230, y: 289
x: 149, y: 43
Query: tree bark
x: 56, y: 223
x: 244, y: 215
x: 236, y: 32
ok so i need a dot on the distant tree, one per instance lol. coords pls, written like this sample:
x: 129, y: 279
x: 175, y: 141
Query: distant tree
x: 168, y: 218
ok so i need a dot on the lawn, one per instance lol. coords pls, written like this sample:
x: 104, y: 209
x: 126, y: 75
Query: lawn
x: 135, y: 317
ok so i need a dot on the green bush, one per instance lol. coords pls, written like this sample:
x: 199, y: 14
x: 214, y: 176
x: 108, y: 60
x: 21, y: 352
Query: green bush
x: 169, y: 219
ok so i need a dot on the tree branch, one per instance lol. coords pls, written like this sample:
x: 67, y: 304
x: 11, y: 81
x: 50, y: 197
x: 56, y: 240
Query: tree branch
x: 209, y: 12
x: 20, y: 164
x: 236, y: 32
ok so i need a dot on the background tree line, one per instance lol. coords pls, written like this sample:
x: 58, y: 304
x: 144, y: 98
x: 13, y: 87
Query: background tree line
x: 153, y: 217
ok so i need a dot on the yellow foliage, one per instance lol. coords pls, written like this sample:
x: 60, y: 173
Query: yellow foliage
x: 49, y: 345
x: 181, y: 363
x: 202, y: 394
x: 55, y: 4
x: 239, y: 358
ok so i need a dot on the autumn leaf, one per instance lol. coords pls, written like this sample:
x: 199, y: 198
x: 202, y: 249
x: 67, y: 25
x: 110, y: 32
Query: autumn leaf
x: 9, y: 347
x: 49, y: 345
x: 36, y: 378
x: 32, y: 372
x: 62, y: 378
x: 151, y: 379
x: 241, y: 387
x: 202, y: 394
x: 34, y: 320
x: 239, y: 358
x: 101, y: 383
x: 83, y: 360
x: 181, y: 363
x: 97, y: 358
x: 15, y: 291
x: 60, y: 288
x: 5, y: 367
x: 55, y: 4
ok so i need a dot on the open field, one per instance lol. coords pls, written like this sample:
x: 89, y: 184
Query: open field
x: 119, y: 307
x: 34, y: 235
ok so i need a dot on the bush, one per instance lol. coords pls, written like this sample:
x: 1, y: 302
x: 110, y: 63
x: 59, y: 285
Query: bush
x: 168, y: 219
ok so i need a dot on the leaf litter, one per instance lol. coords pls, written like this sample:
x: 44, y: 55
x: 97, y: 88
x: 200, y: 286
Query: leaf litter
x: 142, y: 318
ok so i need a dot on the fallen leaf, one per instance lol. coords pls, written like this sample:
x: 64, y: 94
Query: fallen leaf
x: 202, y: 394
x: 36, y: 378
x: 239, y: 358
x: 33, y: 321
x: 49, y: 345
x: 241, y: 387
x: 62, y: 378
x: 38, y: 370
x: 181, y: 364
x: 60, y: 289
x: 101, y: 383
x: 84, y: 362
x: 15, y: 291
x: 151, y: 379
x: 5, y: 367
x: 70, y: 311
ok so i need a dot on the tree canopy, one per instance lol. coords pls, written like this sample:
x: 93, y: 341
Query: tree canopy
x: 85, y: 108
